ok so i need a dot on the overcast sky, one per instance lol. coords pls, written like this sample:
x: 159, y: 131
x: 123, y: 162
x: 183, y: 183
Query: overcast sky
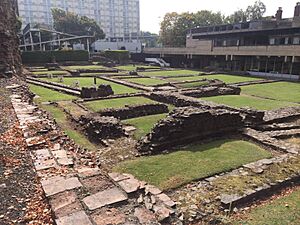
x: 153, y: 11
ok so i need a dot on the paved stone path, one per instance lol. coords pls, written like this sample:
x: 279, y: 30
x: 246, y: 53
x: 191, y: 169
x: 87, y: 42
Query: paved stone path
x: 82, y: 194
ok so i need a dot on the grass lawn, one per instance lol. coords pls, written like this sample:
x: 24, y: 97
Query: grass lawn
x: 193, y: 162
x: 146, y: 81
x: 281, y: 211
x: 89, y: 81
x: 116, y: 103
x: 190, y: 78
x: 53, y: 72
x: 144, y: 124
x: 282, y: 91
x: 240, y: 101
x: 88, y: 67
x: 230, y: 79
x: 194, y: 84
x: 131, y: 67
x: 48, y: 95
x: 61, y: 119
x: 166, y: 73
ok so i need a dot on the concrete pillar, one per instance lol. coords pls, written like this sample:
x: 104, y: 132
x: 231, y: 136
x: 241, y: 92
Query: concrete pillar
x: 266, y: 69
x: 274, y: 65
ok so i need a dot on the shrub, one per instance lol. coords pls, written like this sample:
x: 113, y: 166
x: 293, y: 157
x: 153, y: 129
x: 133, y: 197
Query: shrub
x: 121, y: 56
x: 59, y: 56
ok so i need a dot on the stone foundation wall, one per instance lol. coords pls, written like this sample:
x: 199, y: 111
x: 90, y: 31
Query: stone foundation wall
x: 92, y: 92
x: 99, y: 128
x: 213, y: 91
x: 188, y: 124
x: 10, y: 60
x: 135, y: 111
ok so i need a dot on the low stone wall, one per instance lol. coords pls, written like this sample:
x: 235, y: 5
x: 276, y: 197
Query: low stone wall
x: 93, y: 92
x: 213, y: 91
x: 134, y: 111
x: 282, y: 115
x: 187, y: 124
x: 99, y: 128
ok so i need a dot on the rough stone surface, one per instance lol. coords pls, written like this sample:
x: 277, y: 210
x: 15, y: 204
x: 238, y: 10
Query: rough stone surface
x: 92, y: 92
x: 130, y: 185
x: 78, y: 218
x: 110, y: 216
x: 104, y: 198
x: 144, y: 215
x: 187, y: 124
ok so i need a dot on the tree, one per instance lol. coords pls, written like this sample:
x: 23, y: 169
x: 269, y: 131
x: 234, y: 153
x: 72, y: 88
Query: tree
x: 256, y: 11
x: 253, y: 12
x: 71, y: 23
x: 174, y: 26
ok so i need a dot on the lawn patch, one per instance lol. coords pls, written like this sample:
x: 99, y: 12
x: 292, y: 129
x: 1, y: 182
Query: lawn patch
x: 146, y: 81
x: 230, y: 79
x: 89, y: 81
x: 166, y: 73
x: 282, y: 91
x: 117, y: 103
x: 48, y: 95
x: 193, y: 162
x: 283, y: 211
x: 193, y: 84
x: 144, y: 124
x: 131, y: 67
x: 53, y: 72
x: 88, y: 67
x: 240, y: 101
x: 62, y: 120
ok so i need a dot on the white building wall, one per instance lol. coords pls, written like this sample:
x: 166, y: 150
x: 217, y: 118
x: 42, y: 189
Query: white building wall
x: 119, y: 19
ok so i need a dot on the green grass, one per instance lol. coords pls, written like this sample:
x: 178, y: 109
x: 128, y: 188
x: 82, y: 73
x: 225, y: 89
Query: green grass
x: 88, y: 67
x: 62, y: 120
x: 131, y: 67
x: 194, y: 84
x: 166, y: 73
x: 230, y: 79
x: 282, y: 91
x: 194, y: 162
x: 53, y: 72
x: 89, y: 81
x: 146, y: 81
x: 190, y: 78
x: 48, y: 95
x: 240, y: 101
x: 282, y: 211
x: 116, y: 103
x: 144, y: 124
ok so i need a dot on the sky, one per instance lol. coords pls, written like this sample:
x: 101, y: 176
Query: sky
x: 153, y: 11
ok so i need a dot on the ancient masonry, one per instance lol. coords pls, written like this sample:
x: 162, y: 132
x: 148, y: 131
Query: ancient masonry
x: 10, y: 61
x: 78, y: 191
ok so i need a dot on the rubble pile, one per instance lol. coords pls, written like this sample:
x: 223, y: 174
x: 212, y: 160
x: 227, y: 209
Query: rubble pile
x: 187, y: 124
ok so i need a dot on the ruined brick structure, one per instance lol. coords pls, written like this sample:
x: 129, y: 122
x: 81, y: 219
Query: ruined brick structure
x: 10, y: 60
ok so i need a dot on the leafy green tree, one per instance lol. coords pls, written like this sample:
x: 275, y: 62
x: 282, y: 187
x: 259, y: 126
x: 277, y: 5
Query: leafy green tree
x: 71, y: 23
x: 253, y: 12
x: 174, y: 26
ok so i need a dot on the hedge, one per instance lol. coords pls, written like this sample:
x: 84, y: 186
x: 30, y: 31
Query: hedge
x: 59, y: 56
x: 117, y: 55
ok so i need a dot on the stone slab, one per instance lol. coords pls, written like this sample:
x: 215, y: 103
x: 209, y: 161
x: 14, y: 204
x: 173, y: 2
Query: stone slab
x: 104, y: 198
x: 84, y: 172
x: 129, y: 185
x: 62, y: 158
x: 144, y: 216
x: 166, y: 200
x: 78, y: 218
x: 119, y: 177
x: 59, y: 184
x: 152, y: 189
x: 110, y: 216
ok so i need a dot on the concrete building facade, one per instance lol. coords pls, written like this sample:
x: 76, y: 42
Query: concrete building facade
x: 266, y: 46
x: 120, y: 19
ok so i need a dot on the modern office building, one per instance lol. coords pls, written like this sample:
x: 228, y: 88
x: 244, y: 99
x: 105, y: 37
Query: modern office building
x: 264, y: 46
x: 120, y: 19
